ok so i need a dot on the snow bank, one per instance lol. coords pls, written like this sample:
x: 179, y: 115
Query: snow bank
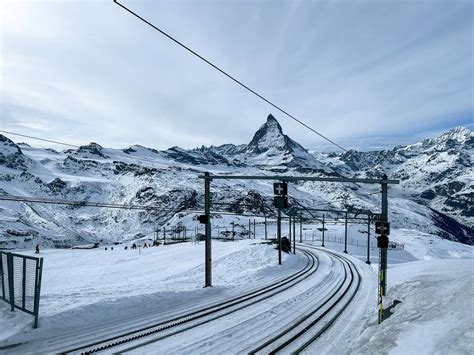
x: 435, y: 316
x: 424, y: 246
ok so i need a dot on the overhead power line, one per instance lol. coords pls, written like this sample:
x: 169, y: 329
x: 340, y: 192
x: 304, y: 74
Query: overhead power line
x: 41, y: 139
x: 79, y: 203
x: 229, y: 76
x: 77, y: 146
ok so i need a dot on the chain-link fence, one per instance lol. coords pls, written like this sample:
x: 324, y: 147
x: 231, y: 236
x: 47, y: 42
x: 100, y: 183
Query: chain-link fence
x: 20, y: 282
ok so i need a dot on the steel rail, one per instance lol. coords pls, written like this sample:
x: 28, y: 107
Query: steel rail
x: 300, y: 322
x: 336, y: 316
x: 215, y: 311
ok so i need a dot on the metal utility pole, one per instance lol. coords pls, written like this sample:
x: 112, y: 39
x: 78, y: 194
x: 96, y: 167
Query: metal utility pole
x: 207, y: 212
x: 265, y: 227
x: 345, y: 234
x: 368, y: 240
x: 233, y: 223
x: 279, y: 236
x: 301, y: 230
x: 382, y: 229
x: 323, y: 231
x: 281, y: 201
x: 254, y: 235
x: 249, y: 230
x: 289, y: 229
x: 383, y: 251
x: 294, y: 235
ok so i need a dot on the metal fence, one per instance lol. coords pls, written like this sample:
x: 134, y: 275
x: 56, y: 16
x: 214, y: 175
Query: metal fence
x: 20, y: 282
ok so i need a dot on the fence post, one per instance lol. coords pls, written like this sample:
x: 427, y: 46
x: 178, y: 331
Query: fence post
x: 3, y: 272
x: 294, y: 235
x: 39, y: 273
x: 301, y: 230
x: 10, y: 281
x: 265, y: 226
x: 23, y: 285
x: 368, y: 240
x: 323, y: 232
x: 345, y: 234
x: 289, y: 229
x: 279, y: 235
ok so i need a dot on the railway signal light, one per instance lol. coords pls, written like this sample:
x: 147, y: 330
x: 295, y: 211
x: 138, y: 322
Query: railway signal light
x: 382, y: 241
x: 280, y: 188
x: 382, y: 228
x: 203, y: 219
x: 281, y: 201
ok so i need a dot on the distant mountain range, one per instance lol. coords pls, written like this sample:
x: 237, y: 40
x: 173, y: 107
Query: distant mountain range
x: 435, y: 194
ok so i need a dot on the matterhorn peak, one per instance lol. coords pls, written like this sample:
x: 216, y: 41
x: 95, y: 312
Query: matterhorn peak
x: 270, y: 139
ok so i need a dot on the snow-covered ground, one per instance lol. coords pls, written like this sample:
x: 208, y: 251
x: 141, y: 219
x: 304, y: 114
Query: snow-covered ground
x: 436, y: 291
x: 83, y: 286
x: 435, y: 315
x: 432, y: 277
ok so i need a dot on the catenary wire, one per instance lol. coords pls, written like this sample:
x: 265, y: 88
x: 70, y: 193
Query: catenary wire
x: 230, y: 76
x: 81, y: 203
x: 77, y: 146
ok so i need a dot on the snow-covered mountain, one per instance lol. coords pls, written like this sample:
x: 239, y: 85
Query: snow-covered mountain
x: 435, y: 172
x: 435, y: 194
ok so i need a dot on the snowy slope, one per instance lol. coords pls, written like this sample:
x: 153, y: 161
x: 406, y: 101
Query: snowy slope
x: 435, y: 313
x: 434, y: 196
x: 90, y: 288
x: 435, y: 172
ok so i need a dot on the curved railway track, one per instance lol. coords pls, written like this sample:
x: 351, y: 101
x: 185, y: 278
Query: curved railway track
x: 176, y: 325
x: 294, y: 337
x: 302, y: 332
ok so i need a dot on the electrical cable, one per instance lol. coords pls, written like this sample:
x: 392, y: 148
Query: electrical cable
x: 229, y: 76
x: 77, y: 146
x: 79, y: 203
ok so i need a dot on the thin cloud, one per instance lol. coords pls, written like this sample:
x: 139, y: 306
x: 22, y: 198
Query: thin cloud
x: 352, y: 70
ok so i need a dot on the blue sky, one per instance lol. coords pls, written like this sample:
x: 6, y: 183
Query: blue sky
x: 367, y: 74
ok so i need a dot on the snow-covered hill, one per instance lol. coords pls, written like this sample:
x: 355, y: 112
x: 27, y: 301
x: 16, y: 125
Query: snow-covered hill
x: 435, y: 194
x: 435, y: 172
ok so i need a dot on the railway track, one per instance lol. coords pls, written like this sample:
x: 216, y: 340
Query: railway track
x: 302, y: 332
x: 157, y: 331
x: 294, y: 337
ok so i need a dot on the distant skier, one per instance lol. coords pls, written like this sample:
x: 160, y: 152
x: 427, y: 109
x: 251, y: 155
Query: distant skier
x: 145, y: 245
x: 134, y: 246
x: 37, y: 249
x: 126, y: 247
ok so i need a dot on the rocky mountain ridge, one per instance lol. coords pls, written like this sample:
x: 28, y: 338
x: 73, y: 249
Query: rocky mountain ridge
x: 435, y: 193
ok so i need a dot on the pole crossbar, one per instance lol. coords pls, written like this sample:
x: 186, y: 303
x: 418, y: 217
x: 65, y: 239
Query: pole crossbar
x: 298, y: 178
x: 364, y: 212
